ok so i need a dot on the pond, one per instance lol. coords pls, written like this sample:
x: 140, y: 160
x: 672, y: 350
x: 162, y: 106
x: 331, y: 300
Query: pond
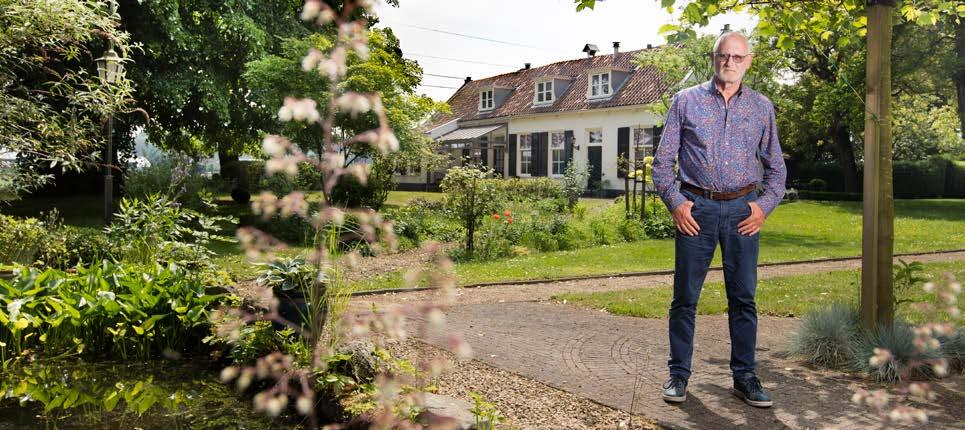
x: 156, y: 395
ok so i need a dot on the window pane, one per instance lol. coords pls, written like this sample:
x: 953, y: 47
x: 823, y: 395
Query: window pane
x: 539, y: 97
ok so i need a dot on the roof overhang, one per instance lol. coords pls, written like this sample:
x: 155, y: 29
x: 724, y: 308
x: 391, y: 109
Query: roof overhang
x: 469, y: 133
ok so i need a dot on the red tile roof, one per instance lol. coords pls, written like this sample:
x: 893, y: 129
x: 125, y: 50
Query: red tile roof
x: 643, y: 85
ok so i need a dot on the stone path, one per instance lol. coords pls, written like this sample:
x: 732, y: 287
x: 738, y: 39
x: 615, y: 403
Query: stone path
x: 621, y: 362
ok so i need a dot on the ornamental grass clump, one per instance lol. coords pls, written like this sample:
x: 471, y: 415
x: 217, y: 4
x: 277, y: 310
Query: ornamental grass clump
x: 827, y: 336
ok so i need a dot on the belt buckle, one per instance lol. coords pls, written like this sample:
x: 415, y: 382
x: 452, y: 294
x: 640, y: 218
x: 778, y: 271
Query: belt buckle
x: 709, y: 194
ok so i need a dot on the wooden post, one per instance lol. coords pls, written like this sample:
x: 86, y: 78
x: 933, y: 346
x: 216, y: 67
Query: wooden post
x: 878, y: 237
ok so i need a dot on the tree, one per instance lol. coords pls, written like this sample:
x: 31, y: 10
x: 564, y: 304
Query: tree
x: 51, y: 105
x: 822, y: 39
x: 470, y: 196
x: 189, y: 75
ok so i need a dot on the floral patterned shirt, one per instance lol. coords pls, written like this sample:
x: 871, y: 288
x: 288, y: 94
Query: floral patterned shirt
x: 720, y: 147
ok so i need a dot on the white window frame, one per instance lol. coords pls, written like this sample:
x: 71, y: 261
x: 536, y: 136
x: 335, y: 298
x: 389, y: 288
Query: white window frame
x: 557, y: 166
x: 486, y: 103
x: 589, y: 136
x: 529, y: 163
x: 602, y: 91
x: 546, y: 92
x: 646, y: 141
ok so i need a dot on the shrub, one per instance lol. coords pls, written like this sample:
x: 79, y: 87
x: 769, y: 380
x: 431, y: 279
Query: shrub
x: 573, y: 183
x: 20, y: 239
x: 349, y: 192
x: 178, y: 177
x: 524, y: 189
x: 156, y: 230
x: 827, y: 336
x: 309, y: 178
x: 817, y: 184
x: 279, y: 184
x: 422, y: 220
x: 470, y: 197
x: 106, y: 310
x: 899, y: 339
x: 85, y: 245
x: 659, y: 226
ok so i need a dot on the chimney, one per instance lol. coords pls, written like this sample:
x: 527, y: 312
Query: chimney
x: 649, y: 46
x: 468, y: 79
x: 590, y: 49
x: 726, y: 29
x: 616, y: 48
x: 526, y: 66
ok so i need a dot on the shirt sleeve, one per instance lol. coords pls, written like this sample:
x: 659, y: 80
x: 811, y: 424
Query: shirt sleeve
x: 772, y: 159
x: 666, y: 156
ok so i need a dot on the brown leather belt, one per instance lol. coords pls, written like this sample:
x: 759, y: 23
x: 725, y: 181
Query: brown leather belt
x: 717, y: 195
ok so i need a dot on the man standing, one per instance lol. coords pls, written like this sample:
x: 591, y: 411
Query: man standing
x: 723, y: 137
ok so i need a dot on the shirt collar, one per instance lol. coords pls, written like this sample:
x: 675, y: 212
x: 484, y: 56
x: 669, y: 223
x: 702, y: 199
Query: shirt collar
x: 712, y: 88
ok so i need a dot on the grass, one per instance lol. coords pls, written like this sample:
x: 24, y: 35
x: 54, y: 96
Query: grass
x: 803, y: 230
x: 786, y: 296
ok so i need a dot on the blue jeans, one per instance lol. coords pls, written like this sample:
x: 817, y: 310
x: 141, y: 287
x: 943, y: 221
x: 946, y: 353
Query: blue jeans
x: 718, y: 224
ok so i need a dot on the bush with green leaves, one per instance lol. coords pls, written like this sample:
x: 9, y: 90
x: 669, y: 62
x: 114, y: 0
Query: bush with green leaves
x: 288, y: 274
x: 827, y: 336
x: 349, y: 192
x: 20, y: 239
x: 421, y: 220
x: 106, y: 310
x: 175, y: 176
x: 526, y: 189
x: 573, y: 183
x: 470, y: 196
x: 158, y: 230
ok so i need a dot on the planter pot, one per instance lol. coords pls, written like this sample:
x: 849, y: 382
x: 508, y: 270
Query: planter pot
x: 294, y: 306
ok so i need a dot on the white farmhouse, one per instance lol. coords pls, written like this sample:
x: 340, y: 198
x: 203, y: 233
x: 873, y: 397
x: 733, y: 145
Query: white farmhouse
x: 533, y: 121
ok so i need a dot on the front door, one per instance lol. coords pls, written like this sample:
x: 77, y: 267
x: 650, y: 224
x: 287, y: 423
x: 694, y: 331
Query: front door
x: 594, y: 158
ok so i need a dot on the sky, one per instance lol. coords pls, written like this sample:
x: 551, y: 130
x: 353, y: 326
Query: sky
x: 520, y: 31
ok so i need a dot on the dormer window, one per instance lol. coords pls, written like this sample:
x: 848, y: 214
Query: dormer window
x: 486, y: 100
x: 599, y: 85
x: 544, y: 93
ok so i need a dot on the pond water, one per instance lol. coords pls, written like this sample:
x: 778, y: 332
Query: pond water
x: 158, y: 395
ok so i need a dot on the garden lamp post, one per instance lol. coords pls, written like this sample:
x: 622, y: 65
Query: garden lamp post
x: 110, y: 70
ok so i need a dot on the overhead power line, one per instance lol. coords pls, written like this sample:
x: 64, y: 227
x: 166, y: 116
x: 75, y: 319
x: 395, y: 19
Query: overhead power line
x: 469, y: 36
x: 438, y: 86
x: 444, y: 76
x: 460, y: 60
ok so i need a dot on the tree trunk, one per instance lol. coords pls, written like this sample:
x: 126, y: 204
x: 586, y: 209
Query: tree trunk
x: 960, y: 74
x: 232, y: 169
x: 844, y: 149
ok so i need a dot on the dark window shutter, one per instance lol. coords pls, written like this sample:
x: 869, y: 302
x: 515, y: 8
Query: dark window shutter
x: 512, y: 155
x: 623, y: 146
x: 543, y: 149
x: 567, y: 148
x: 466, y: 156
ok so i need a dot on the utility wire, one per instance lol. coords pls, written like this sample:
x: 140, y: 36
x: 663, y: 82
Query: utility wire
x: 444, y: 76
x: 438, y: 86
x: 469, y: 36
x: 459, y: 60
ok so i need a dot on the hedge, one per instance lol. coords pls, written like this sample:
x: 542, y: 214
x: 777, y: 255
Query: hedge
x: 934, y: 177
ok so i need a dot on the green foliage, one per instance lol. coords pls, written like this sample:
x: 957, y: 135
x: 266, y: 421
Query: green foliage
x: 470, y: 197
x: 380, y: 181
x: 157, y: 229
x: 925, y: 126
x: 827, y: 336
x: 288, y: 274
x: 906, y: 277
x: 51, y: 106
x: 422, y: 220
x: 20, y: 239
x: 520, y: 189
x: 486, y: 415
x: 817, y: 184
x: 899, y: 339
x: 573, y: 183
x: 253, y: 341
x: 103, y: 310
x: 176, y: 177
x: 659, y: 226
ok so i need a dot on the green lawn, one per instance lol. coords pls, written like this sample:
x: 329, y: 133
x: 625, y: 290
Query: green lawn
x: 784, y: 296
x: 802, y: 230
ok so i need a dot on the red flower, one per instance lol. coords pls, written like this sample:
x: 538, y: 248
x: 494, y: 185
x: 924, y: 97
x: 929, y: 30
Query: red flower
x: 496, y: 217
x: 509, y: 220
x: 507, y: 213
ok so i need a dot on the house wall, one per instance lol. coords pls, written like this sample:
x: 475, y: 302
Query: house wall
x: 581, y: 123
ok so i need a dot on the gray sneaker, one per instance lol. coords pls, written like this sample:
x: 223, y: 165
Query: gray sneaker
x: 748, y: 388
x: 675, y: 390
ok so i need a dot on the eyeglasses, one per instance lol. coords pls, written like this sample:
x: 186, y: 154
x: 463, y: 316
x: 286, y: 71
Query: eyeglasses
x: 722, y: 58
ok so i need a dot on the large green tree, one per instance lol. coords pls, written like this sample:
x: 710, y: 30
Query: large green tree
x: 824, y: 41
x: 51, y: 101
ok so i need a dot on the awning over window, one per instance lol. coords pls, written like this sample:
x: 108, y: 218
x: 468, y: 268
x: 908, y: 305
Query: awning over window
x: 469, y: 133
